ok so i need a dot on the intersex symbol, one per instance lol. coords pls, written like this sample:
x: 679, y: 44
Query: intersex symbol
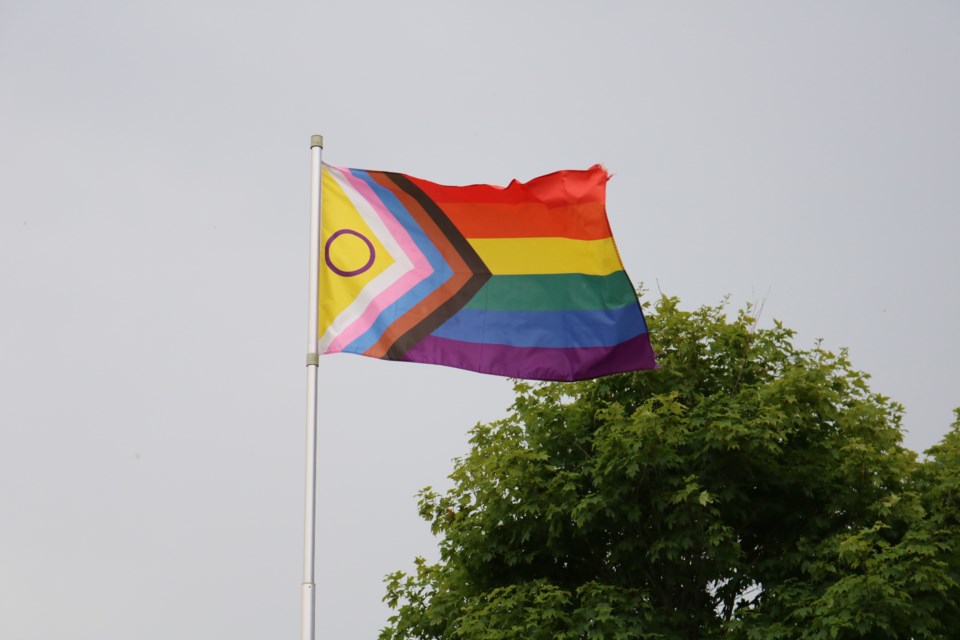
x: 351, y: 272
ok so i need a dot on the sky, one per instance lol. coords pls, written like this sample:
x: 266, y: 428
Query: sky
x: 153, y: 258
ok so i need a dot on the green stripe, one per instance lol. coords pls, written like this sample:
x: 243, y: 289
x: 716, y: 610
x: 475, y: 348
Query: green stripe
x: 554, y: 292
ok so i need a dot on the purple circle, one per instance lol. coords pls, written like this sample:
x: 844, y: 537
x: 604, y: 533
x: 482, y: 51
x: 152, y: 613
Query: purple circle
x: 355, y: 272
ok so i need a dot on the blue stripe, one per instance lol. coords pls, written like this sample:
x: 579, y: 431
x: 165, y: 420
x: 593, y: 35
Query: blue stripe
x: 554, y: 329
x: 441, y: 271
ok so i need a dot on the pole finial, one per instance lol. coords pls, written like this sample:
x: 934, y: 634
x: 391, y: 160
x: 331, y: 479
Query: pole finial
x: 316, y: 141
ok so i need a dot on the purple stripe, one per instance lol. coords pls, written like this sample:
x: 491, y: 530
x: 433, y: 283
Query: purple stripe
x: 536, y: 363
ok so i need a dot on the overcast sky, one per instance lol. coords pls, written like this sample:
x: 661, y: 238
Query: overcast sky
x: 154, y: 178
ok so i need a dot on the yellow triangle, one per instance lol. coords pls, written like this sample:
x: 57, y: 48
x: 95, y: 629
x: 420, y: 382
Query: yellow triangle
x: 348, y: 251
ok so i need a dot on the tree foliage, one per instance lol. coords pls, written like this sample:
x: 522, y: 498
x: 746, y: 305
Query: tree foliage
x: 746, y: 489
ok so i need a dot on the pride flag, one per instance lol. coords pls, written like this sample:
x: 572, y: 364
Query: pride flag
x: 522, y: 281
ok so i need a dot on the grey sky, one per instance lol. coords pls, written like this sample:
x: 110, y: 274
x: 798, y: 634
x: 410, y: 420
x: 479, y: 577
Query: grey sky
x: 153, y: 210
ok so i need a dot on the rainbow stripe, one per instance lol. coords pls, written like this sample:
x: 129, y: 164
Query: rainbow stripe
x: 522, y: 281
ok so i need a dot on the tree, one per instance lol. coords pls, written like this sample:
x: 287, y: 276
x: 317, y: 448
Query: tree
x: 746, y: 489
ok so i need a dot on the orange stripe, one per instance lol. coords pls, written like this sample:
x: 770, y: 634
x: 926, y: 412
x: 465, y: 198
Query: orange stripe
x: 586, y: 221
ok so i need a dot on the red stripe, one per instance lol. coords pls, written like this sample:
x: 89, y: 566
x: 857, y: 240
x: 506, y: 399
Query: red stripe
x: 561, y: 188
x: 565, y: 204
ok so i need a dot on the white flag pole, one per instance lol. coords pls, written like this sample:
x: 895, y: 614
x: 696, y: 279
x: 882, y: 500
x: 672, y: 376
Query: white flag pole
x: 308, y: 598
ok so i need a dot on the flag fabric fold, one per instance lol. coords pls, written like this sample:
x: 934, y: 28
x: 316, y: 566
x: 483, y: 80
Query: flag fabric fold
x: 522, y: 281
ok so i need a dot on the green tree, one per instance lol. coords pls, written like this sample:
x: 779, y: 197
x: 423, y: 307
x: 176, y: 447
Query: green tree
x: 746, y: 489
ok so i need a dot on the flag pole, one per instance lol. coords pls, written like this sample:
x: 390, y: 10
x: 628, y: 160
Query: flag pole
x: 308, y: 598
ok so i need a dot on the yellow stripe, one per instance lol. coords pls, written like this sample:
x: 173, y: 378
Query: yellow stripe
x: 516, y: 256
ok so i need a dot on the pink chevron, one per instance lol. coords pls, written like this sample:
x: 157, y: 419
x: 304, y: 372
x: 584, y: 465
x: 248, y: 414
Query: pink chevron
x: 421, y: 268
